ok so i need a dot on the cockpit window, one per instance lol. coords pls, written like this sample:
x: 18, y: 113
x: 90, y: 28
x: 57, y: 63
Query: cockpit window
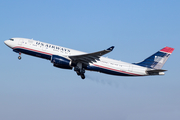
x: 11, y: 39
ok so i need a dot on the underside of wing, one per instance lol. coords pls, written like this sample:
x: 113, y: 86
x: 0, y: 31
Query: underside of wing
x: 90, y: 57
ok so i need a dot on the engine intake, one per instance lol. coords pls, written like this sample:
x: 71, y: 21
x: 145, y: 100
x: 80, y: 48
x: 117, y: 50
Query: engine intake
x: 61, y: 62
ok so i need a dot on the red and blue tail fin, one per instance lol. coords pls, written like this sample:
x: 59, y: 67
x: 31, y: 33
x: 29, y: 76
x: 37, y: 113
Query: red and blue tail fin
x: 157, y: 60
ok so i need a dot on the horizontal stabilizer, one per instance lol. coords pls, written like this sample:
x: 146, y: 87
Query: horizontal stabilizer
x: 156, y: 72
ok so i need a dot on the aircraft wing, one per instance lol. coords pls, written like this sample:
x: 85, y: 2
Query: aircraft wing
x: 90, y: 57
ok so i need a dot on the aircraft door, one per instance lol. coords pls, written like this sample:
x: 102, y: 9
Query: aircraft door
x: 20, y: 42
x: 130, y: 68
x: 43, y: 48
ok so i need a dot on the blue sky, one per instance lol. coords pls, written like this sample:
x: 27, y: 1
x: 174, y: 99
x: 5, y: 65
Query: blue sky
x: 33, y: 89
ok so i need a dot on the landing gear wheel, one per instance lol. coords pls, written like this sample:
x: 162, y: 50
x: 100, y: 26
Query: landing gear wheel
x: 82, y: 76
x: 80, y: 70
x: 78, y: 73
x: 19, y: 57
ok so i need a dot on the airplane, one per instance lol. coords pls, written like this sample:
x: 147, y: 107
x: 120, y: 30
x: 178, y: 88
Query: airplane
x: 66, y: 58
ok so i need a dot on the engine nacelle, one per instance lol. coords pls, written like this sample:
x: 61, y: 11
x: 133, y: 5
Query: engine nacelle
x: 61, y: 62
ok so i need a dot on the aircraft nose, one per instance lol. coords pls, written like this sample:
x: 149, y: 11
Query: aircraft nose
x: 5, y: 42
x: 8, y: 43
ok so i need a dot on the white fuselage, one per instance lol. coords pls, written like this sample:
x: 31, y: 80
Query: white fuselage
x: 105, y: 65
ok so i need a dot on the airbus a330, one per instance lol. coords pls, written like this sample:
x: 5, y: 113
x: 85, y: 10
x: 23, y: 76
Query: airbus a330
x: 66, y: 58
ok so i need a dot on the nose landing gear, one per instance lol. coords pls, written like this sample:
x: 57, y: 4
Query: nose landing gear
x: 19, y: 57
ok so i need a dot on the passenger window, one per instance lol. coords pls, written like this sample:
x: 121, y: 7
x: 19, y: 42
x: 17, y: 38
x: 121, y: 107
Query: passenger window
x: 57, y: 48
x: 62, y: 50
x: 46, y: 45
x: 53, y: 47
x: 37, y: 43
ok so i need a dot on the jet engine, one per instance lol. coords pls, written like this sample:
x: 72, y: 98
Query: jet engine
x: 61, y: 62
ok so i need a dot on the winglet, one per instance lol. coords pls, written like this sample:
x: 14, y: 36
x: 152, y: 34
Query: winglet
x: 111, y: 48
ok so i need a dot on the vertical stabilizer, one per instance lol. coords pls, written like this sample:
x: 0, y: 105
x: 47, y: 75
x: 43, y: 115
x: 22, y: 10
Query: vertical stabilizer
x: 157, y: 60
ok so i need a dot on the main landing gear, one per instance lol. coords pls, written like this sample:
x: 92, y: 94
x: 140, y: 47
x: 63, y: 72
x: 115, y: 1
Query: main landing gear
x: 19, y: 57
x: 80, y: 70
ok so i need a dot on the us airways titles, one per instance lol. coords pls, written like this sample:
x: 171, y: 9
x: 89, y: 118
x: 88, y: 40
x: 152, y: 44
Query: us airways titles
x: 57, y: 48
